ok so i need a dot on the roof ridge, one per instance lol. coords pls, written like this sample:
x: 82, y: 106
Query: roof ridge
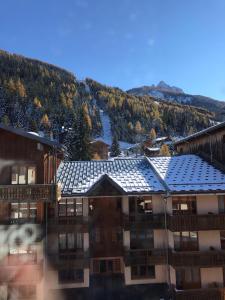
x: 162, y: 181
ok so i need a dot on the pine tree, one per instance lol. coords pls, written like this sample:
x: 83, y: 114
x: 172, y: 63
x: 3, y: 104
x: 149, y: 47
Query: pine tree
x: 164, y: 151
x: 78, y: 140
x: 115, y: 148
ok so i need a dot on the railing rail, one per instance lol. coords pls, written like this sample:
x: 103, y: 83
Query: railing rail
x: 196, y: 222
x: 29, y: 192
x: 145, y: 256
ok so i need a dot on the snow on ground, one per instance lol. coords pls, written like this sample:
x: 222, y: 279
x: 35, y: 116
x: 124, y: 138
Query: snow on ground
x: 107, y: 134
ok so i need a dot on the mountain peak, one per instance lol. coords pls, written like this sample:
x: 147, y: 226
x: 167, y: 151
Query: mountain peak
x: 166, y: 87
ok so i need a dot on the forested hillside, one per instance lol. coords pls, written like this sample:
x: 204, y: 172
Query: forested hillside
x: 41, y: 97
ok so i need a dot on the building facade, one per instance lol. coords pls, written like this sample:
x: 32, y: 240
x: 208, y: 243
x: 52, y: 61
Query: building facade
x: 156, y: 224
x: 209, y: 143
x: 28, y: 167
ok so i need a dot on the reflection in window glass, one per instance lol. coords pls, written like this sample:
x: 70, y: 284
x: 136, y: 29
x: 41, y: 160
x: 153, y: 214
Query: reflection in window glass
x: 31, y: 175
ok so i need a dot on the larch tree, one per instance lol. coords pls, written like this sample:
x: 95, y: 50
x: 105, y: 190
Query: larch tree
x: 164, y: 150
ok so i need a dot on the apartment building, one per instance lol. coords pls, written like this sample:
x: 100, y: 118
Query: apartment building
x: 28, y: 165
x: 157, y: 224
x: 152, y: 222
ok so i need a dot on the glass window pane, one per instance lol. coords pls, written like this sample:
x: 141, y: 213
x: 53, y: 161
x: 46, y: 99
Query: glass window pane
x: 14, y: 178
x: 70, y: 241
x: 79, y: 240
x: 62, y: 241
x: 33, y: 210
x: 22, y: 175
x: 23, y: 210
x: 31, y: 175
x: 14, y: 210
x: 62, y: 208
x: 70, y: 207
x: 79, y: 207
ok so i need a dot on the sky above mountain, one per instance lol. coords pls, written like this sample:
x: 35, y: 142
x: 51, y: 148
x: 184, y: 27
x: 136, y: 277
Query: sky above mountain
x: 124, y: 43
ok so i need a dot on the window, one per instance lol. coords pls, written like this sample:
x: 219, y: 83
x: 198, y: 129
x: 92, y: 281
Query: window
x: 23, y: 175
x: 70, y: 207
x: 184, y: 205
x: 142, y: 238
x: 188, y: 278
x: 70, y: 241
x: 142, y: 271
x: 222, y: 239
x: 221, y: 202
x: 140, y: 205
x: 106, y: 266
x: 69, y: 275
x: 185, y: 241
x: 23, y: 210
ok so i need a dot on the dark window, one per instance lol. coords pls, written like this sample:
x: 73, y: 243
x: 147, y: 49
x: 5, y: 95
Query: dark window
x: 142, y: 238
x: 222, y: 239
x: 221, y: 202
x: 69, y: 275
x: 185, y: 241
x: 184, y: 205
x: 140, y: 205
x: 23, y: 210
x: 142, y: 271
x: 70, y: 207
x: 106, y: 266
x: 70, y: 241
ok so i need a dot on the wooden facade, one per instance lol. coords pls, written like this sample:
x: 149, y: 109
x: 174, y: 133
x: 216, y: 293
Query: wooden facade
x: 209, y: 142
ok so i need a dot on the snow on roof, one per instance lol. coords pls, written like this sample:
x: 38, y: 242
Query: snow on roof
x: 177, y: 174
x: 153, y: 149
x: 132, y: 175
x: 187, y: 173
x: 159, y: 139
x: 202, y: 132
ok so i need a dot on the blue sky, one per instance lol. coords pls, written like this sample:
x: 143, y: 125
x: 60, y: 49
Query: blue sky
x: 124, y: 43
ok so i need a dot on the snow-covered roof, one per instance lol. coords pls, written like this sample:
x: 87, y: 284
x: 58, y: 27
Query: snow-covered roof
x: 132, y: 175
x: 188, y: 173
x: 178, y: 174
x: 159, y: 139
x: 202, y: 132
x: 155, y: 149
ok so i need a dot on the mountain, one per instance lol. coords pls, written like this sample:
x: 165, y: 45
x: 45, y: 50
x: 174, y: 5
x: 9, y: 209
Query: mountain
x: 166, y: 92
x: 38, y: 96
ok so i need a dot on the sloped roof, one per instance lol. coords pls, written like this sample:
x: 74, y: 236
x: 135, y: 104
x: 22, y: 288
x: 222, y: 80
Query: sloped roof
x: 188, y: 173
x: 31, y: 136
x: 201, y: 133
x: 178, y: 174
x: 132, y: 175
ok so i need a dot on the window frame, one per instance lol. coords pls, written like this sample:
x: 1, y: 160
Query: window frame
x: 64, y: 202
x: 18, y: 168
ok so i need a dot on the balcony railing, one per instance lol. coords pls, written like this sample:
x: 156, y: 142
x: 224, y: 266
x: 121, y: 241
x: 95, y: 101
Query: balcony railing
x: 197, y: 258
x: 77, y: 260
x: 68, y: 223
x: 31, y: 192
x: 153, y: 221
x: 199, y: 294
x: 145, y: 256
x: 196, y: 222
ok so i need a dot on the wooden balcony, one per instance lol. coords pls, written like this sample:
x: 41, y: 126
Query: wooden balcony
x: 76, y: 260
x: 31, y: 192
x: 197, y: 258
x: 156, y: 221
x: 62, y: 224
x: 196, y: 222
x: 144, y: 256
x: 199, y: 294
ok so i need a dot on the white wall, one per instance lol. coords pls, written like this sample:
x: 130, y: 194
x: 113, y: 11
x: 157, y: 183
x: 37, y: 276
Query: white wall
x: 211, y: 275
x: 160, y: 238
x: 209, y: 238
x: 157, y: 204
x: 126, y: 239
x: 125, y: 205
x: 206, y: 204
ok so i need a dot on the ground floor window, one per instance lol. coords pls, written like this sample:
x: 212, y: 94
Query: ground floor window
x: 23, y: 210
x: 70, y: 275
x: 142, y: 271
